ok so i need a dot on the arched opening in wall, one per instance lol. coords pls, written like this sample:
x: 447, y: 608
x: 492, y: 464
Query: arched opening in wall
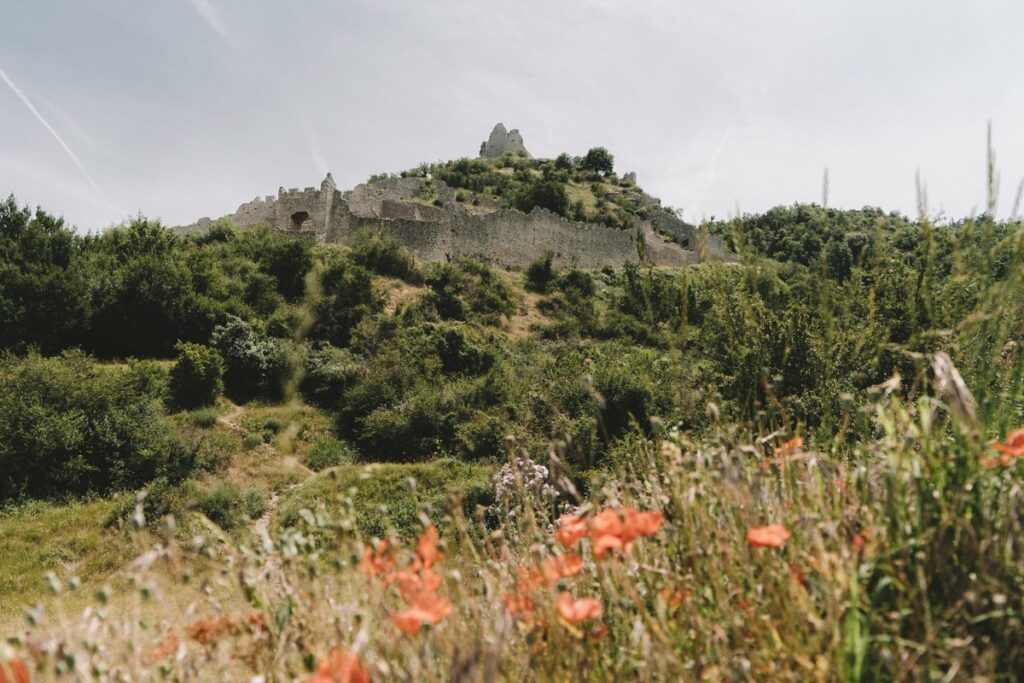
x: 299, y: 218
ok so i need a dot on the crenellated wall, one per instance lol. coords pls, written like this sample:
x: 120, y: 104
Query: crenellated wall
x: 508, y: 238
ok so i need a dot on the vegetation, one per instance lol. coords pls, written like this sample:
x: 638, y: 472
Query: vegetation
x: 583, y: 189
x: 802, y: 465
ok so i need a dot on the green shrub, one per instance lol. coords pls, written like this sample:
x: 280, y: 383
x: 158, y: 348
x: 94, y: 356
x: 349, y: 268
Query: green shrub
x: 252, y: 440
x: 227, y: 505
x: 540, y: 273
x: 197, y: 379
x: 70, y: 428
x: 348, y: 296
x: 204, y: 417
x: 382, y: 498
x: 385, y: 255
x: 329, y: 372
x: 328, y: 452
x: 255, y: 365
x: 284, y: 322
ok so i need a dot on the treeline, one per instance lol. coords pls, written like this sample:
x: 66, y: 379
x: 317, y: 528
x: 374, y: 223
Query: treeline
x: 792, y: 341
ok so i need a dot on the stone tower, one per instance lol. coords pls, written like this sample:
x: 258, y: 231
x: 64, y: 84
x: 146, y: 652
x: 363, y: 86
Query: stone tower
x: 502, y: 142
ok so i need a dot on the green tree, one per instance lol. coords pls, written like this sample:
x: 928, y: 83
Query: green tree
x: 598, y: 160
x: 197, y: 379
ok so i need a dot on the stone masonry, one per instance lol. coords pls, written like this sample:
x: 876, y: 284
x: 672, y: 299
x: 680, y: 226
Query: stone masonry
x: 426, y: 216
x: 502, y: 142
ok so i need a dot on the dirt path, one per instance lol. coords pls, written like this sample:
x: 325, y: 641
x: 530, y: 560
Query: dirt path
x: 231, y: 420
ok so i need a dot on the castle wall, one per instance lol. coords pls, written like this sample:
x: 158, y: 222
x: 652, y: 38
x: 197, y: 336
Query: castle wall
x: 513, y: 240
x: 508, y: 238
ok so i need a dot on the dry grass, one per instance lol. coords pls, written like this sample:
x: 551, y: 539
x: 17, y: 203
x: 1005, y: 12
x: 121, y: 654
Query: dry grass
x: 877, y: 581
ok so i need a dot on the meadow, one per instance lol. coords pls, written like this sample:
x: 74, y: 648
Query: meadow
x: 242, y: 456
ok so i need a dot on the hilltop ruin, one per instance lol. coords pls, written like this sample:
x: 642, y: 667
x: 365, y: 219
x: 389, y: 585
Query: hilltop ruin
x: 446, y: 228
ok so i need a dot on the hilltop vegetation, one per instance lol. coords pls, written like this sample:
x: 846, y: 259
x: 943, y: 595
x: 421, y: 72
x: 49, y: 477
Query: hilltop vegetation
x: 313, y: 397
x: 578, y: 188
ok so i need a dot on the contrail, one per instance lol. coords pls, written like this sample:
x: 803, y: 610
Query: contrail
x: 28, y: 103
x: 212, y: 17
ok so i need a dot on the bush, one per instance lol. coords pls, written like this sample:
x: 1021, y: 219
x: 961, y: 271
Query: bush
x: 385, y: 255
x: 197, y: 379
x: 329, y: 373
x: 70, y: 428
x: 328, y: 452
x: 204, y: 417
x: 348, y: 296
x: 228, y: 506
x: 255, y: 365
x: 252, y: 440
x: 540, y: 273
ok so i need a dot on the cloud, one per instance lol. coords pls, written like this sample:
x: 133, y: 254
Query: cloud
x: 28, y: 103
x: 211, y: 15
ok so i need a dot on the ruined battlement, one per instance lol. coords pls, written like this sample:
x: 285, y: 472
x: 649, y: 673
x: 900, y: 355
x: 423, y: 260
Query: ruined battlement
x: 424, y: 214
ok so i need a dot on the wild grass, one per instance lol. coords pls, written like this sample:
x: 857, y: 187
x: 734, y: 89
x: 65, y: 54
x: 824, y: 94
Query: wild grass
x: 868, y: 411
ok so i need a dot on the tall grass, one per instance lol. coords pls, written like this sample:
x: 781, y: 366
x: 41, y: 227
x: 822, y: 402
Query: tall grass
x: 903, y: 563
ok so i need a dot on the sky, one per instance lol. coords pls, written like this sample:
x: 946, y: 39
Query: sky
x: 185, y: 108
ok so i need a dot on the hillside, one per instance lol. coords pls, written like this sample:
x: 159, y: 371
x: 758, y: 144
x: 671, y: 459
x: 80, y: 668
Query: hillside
x: 631, y: 470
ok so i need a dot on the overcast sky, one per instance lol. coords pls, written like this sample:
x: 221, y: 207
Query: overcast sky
x: 187, y: 108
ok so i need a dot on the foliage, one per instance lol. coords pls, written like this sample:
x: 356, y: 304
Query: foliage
x: 197, y: 378
x: 385, y: 255
x: 540, y: 273
x: 255, y: 365
x: 68, y: 428
x: 598, y: 160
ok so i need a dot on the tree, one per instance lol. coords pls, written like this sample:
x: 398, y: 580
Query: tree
x: 197, y: 379
x: 599, y: 160
x: 547, y: 194
x: 44, y: 287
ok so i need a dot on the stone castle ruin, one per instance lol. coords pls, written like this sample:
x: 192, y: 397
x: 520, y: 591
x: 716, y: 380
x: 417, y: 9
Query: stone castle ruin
x: 501, y: 142
x: 445, y: 229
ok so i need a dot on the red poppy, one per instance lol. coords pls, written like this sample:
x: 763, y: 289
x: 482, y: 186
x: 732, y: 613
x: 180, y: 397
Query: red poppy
x: 424, y: 608
x: 555, y: 568
x: 16, y: 669
x: 341, y: 666
x: 1014, y: 446
x: 644, y: 523
x: 426, y: 547
x: 377, y: 560
x: 771, y: 536
x: 790, y: 447
x: 571, y: 529
x: 575, y: 611
x: 411, y: 583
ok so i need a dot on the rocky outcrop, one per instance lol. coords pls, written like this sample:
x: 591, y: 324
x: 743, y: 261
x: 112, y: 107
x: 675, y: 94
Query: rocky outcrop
x: 502, y: 142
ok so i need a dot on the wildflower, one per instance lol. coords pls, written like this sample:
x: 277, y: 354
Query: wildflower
x: 1014, y: 446
x: 555, y: 568
x: 424, y: 608
x: 377, y: 560
x: 411, y: 583
x: 790, y: 447
x: 341, y: 666
x: 13, y: 671
x: 518, y: 604
x: 644, y: 523
x: 575, y: 611
x: 771, y: 536
x: 607, y: 543
x: 426, y: 547
x: 571, y: 529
